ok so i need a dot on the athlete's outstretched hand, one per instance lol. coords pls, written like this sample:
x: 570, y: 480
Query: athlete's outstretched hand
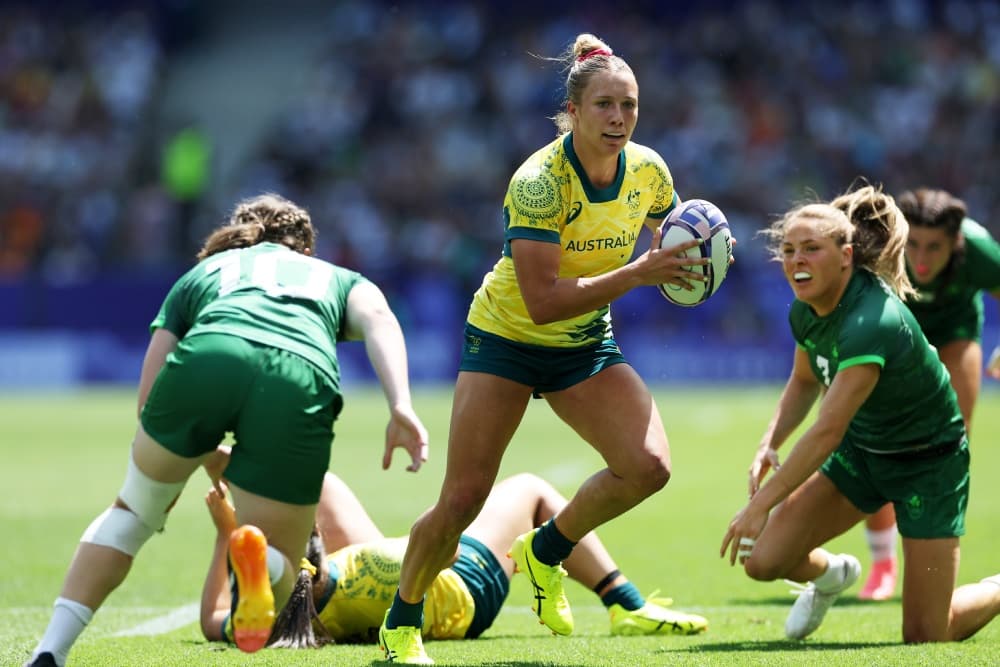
x: 407, y: 431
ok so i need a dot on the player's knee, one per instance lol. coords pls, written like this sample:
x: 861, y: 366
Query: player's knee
x: 652, y: 476
x: 148, y: 499
x: 119, y: 529
x: 759, y: 568
x: 462, y: 503
x: 140, y: 510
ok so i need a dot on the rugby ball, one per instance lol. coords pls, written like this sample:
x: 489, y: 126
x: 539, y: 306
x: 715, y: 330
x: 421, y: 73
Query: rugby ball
x: 702, y: 220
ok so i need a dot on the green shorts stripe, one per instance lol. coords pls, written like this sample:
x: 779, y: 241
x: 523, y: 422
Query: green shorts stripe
x: 928, y: 489
x: 279, y: 407
x: 544, y: 369
x: 486, y: 581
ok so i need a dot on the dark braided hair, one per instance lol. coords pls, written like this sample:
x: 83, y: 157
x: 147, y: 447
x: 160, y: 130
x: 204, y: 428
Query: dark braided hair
x: 298, y: 624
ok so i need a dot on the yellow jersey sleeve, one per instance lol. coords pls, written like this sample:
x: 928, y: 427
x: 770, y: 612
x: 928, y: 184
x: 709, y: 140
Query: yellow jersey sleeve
x: 550, y: 199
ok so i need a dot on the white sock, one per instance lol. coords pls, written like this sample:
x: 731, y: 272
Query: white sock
x: 275, y: 564
x: 834, y: 575
x: 882, y: 543
x: 69, y: 618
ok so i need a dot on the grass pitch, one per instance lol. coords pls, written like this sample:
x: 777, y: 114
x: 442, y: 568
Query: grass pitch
x: 64, y: 457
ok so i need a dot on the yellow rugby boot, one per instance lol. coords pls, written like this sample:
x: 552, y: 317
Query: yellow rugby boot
x: 653, y: 618
x: 550, y: 604
x: 403, y: 645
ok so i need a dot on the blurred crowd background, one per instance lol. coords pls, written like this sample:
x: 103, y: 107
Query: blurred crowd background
x: 129, y: 129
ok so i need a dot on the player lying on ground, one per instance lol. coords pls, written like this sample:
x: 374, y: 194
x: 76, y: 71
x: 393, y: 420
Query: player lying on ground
x: 353, y: 586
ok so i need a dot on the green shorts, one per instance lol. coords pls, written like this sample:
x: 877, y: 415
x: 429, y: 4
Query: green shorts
x: 929, y: 490
x: 545, y: 369
x: 278, y: 406
x: 940, y: 331
x: 487, y: 582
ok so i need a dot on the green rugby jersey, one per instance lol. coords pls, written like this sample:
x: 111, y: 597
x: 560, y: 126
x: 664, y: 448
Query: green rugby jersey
x: 268, y: 294
x: 913, y: 405
x: 952, y: 309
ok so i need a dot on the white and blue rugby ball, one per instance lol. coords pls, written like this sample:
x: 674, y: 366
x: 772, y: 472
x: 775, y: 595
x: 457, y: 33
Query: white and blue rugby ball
x: 698, y: 219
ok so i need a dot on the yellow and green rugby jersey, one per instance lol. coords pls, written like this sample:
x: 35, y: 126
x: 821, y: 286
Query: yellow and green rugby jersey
x: 550, y: 199
x: 367, y: 577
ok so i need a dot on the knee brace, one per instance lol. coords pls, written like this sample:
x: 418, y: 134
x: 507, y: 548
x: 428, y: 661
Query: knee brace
x: 148, y: 499
x: 119, y: 529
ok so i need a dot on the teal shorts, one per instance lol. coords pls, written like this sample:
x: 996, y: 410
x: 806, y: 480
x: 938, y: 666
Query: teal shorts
x: 278, y: 406
x: 929, y: 490
x: 544, y: 369
x: 486, y: 581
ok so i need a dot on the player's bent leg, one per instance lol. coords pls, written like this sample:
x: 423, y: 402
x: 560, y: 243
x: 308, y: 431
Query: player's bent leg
x: 929, y: 574
x: 341, y: 517
x: 615, y: 413
x: 513, y: 507
x: 109, y: 544
x: 476, y: 443
x: 812, y: 515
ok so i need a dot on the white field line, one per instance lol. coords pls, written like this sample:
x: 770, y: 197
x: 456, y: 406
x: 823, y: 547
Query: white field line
x: 181, y: 616
x: 172, y: 620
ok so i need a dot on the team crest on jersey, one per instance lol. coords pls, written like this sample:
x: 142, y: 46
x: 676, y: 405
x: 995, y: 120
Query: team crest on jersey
x: 632, y: 200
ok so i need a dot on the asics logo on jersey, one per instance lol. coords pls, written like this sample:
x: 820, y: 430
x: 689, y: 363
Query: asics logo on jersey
x: 574, y: 212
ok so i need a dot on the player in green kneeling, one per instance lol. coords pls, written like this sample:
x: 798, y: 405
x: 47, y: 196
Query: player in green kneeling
x: 350, y: 588
x: 888, y: 429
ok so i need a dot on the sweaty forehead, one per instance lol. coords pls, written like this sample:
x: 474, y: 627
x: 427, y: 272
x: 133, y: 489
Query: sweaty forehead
x: 803, y: 229
x: 608, y: 83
